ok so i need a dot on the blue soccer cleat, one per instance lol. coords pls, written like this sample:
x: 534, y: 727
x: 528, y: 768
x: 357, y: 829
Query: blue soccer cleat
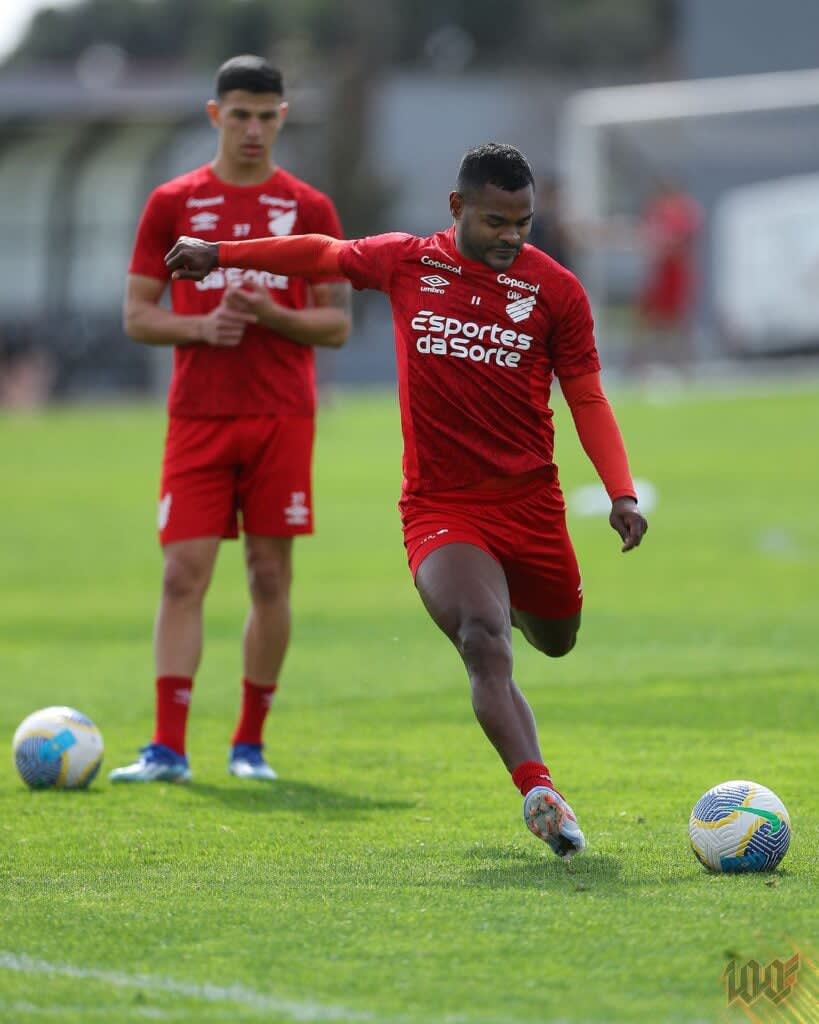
x: 157, y: 763
x: 551, y: 819
x: 246, y: 762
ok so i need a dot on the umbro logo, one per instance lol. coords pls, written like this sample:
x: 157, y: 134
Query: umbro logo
x: 434, y: 283
x: 521, y: 309
x: 204, y: 221
x: 297, y: 513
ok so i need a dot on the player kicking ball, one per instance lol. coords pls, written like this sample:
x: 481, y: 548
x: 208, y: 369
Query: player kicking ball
x: 483, y: 322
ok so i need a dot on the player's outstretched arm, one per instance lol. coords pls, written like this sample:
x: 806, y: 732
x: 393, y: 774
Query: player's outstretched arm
x: 603, y: 443
x: 298, y: 255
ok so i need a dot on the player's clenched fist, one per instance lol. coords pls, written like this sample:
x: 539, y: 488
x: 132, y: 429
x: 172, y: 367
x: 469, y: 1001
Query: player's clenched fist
x: 192, y: 258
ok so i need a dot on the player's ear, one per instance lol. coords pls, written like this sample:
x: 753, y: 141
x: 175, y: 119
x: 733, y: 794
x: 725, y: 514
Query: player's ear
x: 284, y: 106
x: 456, y: 204
x: 213, y: 110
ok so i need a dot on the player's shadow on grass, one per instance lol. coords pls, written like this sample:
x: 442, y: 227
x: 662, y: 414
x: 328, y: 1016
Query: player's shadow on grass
x: 513, y: 868
x: 290, y: 795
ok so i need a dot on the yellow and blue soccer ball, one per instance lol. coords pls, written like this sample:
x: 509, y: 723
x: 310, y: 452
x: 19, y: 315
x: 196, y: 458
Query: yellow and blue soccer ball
x: 739, y: 826
x: 57, y: 747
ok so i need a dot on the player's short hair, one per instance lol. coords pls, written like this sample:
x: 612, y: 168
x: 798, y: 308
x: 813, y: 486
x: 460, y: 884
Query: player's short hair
x: 494, y: 163
x: 250, y: 74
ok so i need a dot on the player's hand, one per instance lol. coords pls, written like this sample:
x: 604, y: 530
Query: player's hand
x: 192, y: 258
x: 252, y: 297
x: 627, y: 519
x: 225, y: 326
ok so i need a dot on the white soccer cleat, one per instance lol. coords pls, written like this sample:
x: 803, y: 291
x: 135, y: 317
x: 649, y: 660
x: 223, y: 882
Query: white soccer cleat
x: 157, y: 763
x: 246, y: 762
x: 551, y: 819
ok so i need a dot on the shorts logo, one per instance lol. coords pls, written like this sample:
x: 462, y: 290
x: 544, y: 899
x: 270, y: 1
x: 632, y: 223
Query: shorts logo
x: 297, y: 513
x: 521, y: 309
x: 435, y: 283
x: 164, y: 511
x: 432, y: 536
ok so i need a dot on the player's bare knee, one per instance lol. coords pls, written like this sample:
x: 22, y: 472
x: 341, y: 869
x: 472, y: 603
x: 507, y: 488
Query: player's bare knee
x: 552, y: 637
x: 559, y: 647
x: 553, y: 645
x: 484, y: 644
x: 184, y: 579
x: 268, y: 580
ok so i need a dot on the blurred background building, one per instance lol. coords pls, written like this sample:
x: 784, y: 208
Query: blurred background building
x: 100, y: 100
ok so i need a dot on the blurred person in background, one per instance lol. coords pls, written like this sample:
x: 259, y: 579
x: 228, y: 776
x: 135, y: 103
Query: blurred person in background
x: 238, y: 450
x: 26, y: 371
x: 668, y: 233
x: 550, y: 231
x: 483, y: 322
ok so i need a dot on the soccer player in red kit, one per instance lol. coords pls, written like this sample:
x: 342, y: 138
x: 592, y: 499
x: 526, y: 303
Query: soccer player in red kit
x: 241, y: 406
x: 482, y: 324
x: 669, y: 231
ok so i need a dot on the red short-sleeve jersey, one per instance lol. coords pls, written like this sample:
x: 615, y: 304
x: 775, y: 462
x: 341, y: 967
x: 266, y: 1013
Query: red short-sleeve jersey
x: 476, y: 351
x: 266, y: 373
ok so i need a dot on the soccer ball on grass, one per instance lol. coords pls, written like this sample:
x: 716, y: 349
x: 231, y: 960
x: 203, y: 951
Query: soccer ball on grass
x: 57, y: 747
x: 739, y: 826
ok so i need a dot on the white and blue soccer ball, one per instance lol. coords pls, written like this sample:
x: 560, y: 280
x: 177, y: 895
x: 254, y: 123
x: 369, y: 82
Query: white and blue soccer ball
x: 739, y: 826
x: 57, y: 747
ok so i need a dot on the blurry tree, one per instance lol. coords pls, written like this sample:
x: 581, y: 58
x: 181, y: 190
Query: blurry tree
x: 345, y: 46
x: 553, y: 35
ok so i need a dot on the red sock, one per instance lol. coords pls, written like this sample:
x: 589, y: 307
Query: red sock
x: 256, y: 702
x: 529, y: 774
x: 173, y: 698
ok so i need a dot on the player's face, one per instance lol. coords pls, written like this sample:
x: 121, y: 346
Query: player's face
x: 248, y: 124
x: 492, y: 224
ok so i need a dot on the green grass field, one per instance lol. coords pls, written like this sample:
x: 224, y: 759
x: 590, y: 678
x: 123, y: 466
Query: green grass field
x: 388, y: 876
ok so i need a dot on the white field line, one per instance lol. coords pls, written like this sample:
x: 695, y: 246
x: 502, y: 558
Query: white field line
x: 106, y: 1013
x: 239, y: 994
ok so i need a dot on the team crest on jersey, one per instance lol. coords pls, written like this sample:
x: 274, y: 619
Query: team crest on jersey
x: 204, y: 221
x: 521, y: 308
x: 281, y: 214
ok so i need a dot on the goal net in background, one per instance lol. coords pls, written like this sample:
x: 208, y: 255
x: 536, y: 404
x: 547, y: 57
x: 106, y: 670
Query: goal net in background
x: 747, y: 149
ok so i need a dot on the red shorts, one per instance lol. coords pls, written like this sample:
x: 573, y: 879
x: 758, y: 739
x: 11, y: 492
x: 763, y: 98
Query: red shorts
x: 521, y: 523
x: 215, y: 469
